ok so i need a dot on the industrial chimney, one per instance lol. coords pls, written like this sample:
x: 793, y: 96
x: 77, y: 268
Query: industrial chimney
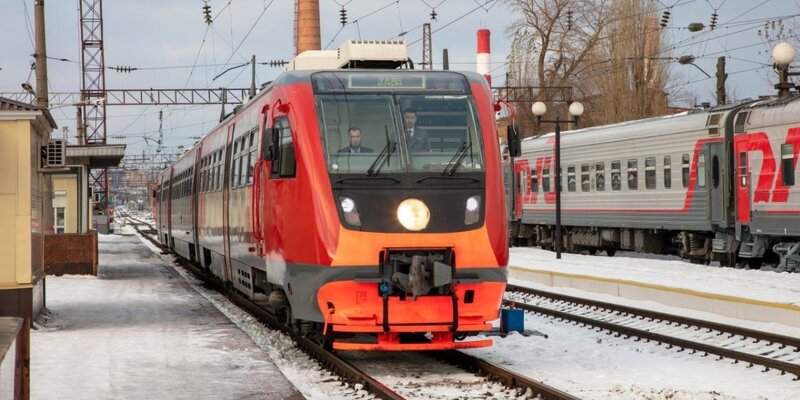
x: 306, y: 26
x: 484, y: 57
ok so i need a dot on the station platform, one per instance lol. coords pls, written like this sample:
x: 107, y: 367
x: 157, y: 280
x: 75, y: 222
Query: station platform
x: 139, y: 331
x: 754, y: 298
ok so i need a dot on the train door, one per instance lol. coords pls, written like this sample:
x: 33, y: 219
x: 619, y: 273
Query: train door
x: 743, y: 186
x: 195, y: 205
x: 715, y: 156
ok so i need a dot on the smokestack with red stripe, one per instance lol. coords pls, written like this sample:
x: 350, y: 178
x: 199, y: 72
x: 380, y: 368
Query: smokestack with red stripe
x: 484, y: 58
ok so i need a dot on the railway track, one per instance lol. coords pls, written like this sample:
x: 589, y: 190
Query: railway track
x: 742, y: 345
x: 356, y: 369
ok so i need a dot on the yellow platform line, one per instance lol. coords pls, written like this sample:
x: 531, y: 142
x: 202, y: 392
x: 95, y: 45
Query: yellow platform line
x: 689, y: 292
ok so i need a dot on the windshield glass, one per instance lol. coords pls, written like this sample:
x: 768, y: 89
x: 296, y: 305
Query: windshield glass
x: 439, y: 132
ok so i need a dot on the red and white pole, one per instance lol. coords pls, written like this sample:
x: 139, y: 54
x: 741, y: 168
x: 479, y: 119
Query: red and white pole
x: 484, y: 58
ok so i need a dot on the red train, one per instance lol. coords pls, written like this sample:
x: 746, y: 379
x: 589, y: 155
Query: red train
x: 364, y: 205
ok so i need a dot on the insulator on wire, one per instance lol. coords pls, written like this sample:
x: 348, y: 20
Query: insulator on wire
x: 276, y: 63
x: 569, y: 19
x: 714, y: 17
x: 433, y: 14
x: 343, y: 16
x: 665, y: 18
x: 207, y: 13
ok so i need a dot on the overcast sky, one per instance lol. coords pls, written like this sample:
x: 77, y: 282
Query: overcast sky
x: 170, y: 33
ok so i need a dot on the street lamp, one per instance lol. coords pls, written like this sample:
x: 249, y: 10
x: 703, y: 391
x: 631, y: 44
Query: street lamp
x: 783, y: 54
x: 575, y: 110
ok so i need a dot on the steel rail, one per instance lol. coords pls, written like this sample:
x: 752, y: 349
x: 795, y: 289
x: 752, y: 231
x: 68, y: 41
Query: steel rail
x: 768, y: 363
x: 349, y: 371
x: 328, y: 359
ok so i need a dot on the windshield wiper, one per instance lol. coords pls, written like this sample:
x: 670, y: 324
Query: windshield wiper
x: 384, y: 156
x: 455, y: 162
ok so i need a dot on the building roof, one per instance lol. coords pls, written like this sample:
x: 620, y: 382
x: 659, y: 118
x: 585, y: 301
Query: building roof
x: 96, y: 156
x: 7, y: 104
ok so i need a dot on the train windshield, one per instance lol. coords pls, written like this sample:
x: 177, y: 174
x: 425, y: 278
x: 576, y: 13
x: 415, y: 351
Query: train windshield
x: 409, y: 130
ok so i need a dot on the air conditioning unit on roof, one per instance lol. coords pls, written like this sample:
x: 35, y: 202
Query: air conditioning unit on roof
x: 54, y: 154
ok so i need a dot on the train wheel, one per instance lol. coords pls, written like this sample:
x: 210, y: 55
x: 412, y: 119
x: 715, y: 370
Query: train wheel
x: 592, y: 252
x: 754, y: 263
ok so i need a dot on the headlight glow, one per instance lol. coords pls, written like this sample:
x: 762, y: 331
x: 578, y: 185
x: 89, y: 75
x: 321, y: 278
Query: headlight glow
x: 413, y: 214
x: 472, y: 212
x: 348, y: 205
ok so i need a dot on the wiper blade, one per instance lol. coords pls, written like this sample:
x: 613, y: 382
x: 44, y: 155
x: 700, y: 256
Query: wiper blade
x: 455, y: 162
x: 383, y: 157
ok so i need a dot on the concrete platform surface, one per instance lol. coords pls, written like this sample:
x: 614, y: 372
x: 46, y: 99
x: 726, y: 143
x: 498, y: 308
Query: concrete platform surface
x: 139, y: 331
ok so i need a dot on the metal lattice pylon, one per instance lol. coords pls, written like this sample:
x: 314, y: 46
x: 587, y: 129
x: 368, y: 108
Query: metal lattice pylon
x: 427, y: 50
x: 93, y: 87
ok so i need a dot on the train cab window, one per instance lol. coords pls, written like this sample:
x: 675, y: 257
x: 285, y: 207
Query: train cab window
x: 667, y: 172
x: 585, y: 180
x: 284, y: 165
x: 701, y: 170
x: 650, y: 173
x: 600, y: 176
x: 616, y: 176
x: 787, y: 164
x: 546, y: 180
x: 685, y: 164
x: 571, y: 178
x: 633, y: 175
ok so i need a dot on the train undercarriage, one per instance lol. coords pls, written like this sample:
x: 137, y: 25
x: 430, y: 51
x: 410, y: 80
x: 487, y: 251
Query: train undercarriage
x: 750, y: 251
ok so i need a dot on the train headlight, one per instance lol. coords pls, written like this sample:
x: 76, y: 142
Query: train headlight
x: 472, y: 212
x: 349, y: 210
x: 413, y: 214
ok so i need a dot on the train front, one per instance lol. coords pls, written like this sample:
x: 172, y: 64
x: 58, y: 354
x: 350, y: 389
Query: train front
x: 420, y: 259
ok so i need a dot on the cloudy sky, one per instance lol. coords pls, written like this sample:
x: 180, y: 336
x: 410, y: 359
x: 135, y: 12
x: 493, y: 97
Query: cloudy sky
x: 167, y: 37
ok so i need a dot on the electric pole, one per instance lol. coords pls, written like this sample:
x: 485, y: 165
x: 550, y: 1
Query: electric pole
x: 41, y: 55
x: 721, y: 77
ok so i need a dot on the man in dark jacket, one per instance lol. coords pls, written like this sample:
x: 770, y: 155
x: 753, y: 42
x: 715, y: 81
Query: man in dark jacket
x: 355, y: 143
x: 417, y: 139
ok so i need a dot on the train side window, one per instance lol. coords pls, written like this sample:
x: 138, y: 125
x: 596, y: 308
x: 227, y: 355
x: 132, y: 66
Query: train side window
x: 571, y: 178
x: 701, y: 170
x: 616, y: 176
x: 633, y: 175
x: 523, y: 179
x: 600, y: 176
x: 667, y: 172
x: 546, y: 180
x: 650, y: 173
x: 787, y: 164
x: 534, y: 182
x: 253, y: 148
x: 685, y: 165
x: 285, y: 164
x: 585, y: 181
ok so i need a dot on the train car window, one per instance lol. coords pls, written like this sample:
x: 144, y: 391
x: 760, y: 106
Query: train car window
x: 743, y: 169
x: 534, y: 182
x: 616, y: 176
x: 585, y: 181
x: 667, y: 172
x: 715, y: 172
x: 600, y: 176
x: 253, y: 156
x: 571, y: 178
x: 701, y: 170
x: 787, y: 164
x: 546, y: 180
x: 633, y: 175
x: 685, y: 164
x: 650, y: 173
x: 237, y: 164
x: 524, y: 181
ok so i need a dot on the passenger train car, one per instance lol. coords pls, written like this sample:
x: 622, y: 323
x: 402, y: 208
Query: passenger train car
x: 717, y: 184
x: 389, y: 245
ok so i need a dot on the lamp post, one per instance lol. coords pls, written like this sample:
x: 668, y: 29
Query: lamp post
x: 575, y: 110
x: 783, y: 54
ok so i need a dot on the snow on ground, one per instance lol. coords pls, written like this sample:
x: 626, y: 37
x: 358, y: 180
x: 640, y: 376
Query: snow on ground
x: 139, y: 331
x: 594, y: 365
x: 779, y: 287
